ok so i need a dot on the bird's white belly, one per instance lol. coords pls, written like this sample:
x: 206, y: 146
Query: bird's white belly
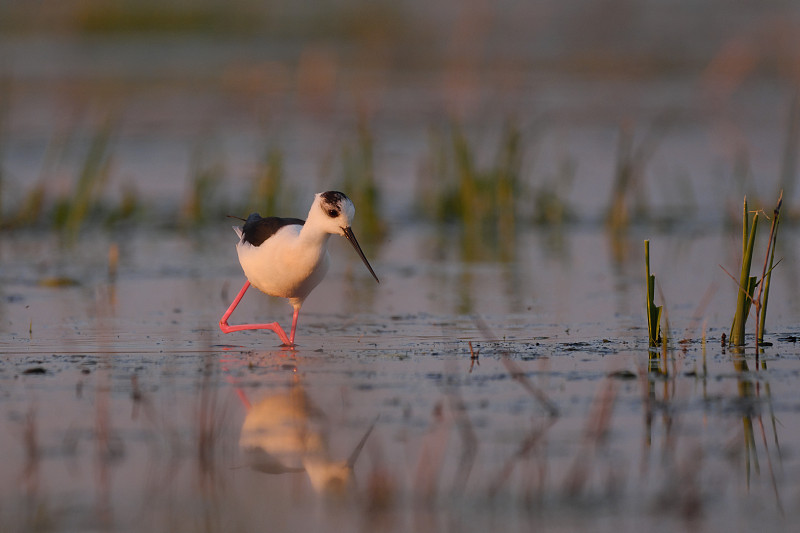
x: 283, y: 273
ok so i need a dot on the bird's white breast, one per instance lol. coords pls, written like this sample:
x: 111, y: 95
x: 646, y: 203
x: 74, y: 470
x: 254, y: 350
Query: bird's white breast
x: 282, y: 266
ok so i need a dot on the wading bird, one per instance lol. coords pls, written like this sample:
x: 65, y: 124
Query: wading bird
x: 288, y: 257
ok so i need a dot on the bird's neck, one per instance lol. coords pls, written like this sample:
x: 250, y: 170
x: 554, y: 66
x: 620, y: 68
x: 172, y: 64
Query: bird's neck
x: 310, y: 236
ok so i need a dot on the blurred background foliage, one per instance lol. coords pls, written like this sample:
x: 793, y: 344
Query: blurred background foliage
x: 459, y: 112
x: 588, y: 36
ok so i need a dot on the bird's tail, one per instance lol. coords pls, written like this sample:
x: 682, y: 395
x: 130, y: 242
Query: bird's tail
x: 237, y: 229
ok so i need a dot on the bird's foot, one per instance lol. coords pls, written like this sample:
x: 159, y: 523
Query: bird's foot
x: 274, y: 326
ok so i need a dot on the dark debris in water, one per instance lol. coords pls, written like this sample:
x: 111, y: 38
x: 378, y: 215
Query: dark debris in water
x: 575, y: 345
x: 528, y: 351
x: 600, y: 347
x: 35, y: 370
x: 622, y: 374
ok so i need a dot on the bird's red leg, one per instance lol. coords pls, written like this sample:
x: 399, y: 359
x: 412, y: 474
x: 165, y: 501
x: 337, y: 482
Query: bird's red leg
x: 294, y: 324
x: 223, y: 322
x: 274, y: 326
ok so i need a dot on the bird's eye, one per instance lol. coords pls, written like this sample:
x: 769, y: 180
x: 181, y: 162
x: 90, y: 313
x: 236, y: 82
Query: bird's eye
x: 333, y: 213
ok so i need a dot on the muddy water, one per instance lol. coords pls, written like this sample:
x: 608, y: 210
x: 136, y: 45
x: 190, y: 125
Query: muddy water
x: 124, y: 408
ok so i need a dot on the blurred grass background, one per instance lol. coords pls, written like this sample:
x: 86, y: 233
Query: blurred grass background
x: 176, y: 114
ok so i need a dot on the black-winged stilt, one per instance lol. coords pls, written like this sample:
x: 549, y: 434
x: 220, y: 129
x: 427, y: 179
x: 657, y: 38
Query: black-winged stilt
x: 288, y: 257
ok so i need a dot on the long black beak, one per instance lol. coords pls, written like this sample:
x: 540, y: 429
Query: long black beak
x: 348, y: 233
x: 351, y: 461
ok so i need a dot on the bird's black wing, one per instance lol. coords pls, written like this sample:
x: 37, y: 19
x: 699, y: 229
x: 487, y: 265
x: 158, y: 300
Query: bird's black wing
x: 257, y: 229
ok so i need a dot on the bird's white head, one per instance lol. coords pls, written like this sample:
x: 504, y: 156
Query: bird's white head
x: 333, y: 212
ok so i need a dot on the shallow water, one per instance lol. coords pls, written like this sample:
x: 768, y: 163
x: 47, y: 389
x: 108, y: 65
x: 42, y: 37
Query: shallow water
x: 123, y: 405
x: 488, y: 383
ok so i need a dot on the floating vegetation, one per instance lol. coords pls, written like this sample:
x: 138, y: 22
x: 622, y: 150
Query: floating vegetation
x: 653, y: 312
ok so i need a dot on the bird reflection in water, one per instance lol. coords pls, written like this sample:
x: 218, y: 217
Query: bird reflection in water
x: 286, y: 433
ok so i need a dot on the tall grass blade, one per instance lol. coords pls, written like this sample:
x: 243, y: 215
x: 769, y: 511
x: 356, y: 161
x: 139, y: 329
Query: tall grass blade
x: 746, y: 283
x: 91, y: 180
x: 358, y: 169
x: 483, y: 199
x: 266, y: 185
x: 206, y: 171
x: 508, y: 164
x: 617, y: 215
x: 467, y: 181
x: 653, y: 312
x: 776, y: 217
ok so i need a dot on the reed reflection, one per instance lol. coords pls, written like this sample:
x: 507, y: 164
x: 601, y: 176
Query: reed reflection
x: 749, y: 403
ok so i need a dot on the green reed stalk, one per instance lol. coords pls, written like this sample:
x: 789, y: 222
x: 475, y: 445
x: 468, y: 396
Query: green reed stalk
x: 266, y: 184
x: 507, y: 177
x: 206, y: 170
x: 468, y: 192
x: 358, y: 170
x: 617, y: 216
x: 653, y: 312
x: 766, y: 277
x: 747, y: 283
x: 91, y: 180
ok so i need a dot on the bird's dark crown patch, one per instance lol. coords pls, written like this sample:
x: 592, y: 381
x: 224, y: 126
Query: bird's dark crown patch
x: 256, y: 229
x: 332, y: 203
